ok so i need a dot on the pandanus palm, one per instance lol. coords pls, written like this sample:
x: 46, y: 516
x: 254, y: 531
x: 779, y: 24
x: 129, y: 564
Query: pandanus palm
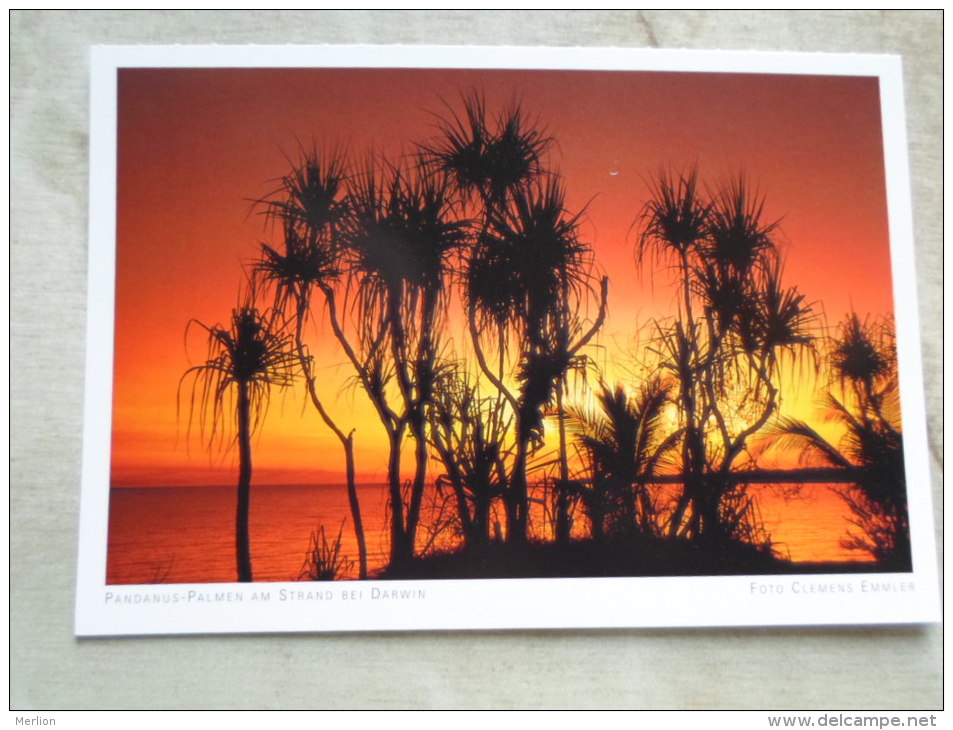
x: 862, y: 358
x: 309, y: 207
x: 468, y: 433
x: 526, y: 273
x: 738, y: 235
x: 245, y: 359
x: 865, y: 357
x: 752, y: 320
x: 527, y: 276
x: 490, y: 160
x: 484, y: 157
x: 400, y: 238
x: 674, y: 227
x: 735, y: 320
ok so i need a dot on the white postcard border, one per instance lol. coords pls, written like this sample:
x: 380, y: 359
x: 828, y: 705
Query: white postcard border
x: 860, y: 598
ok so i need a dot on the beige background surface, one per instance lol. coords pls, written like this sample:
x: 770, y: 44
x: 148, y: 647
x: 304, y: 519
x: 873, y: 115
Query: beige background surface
x: 816, y: 668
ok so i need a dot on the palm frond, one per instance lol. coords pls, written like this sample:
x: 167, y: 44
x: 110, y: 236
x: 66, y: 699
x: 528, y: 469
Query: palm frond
x: 309, y: 206
x: 737, y: 235
x: 857, y: 354
x: 253, y: 350
x: 311, y: 195
x: 774, y: 318
x: 675, y: 219
x: 490, y: 158
x: 402, y: 231
x: 795, y: 434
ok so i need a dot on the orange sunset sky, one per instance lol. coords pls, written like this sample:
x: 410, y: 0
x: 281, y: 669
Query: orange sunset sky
x: 197, y: 146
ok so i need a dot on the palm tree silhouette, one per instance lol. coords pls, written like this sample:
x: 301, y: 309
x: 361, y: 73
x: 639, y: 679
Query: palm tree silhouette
x: 400, y: 236
x: 526, y: 275
x: 489, y: 159
x: 250, y: 355
x: 863, y: 359
x: 309, y: 206
x: 674, y: 226
x: 625, y: 443
x: 468, y: 433
x: 735, y: 321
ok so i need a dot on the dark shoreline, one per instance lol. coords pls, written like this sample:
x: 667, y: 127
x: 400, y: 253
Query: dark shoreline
x: 639, y: 557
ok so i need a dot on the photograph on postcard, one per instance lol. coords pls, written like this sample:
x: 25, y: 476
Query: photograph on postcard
x: 392, y: 326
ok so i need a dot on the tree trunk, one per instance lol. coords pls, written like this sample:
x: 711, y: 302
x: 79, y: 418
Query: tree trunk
x: 517, y: 497
x: 454, y: 475
x: 348, y: 443
x: 417, y: 406
x: 563, y: 526
x: 418, y: 431
x: 400, y: 550
x: 242, y: 543
x: 480, y: 526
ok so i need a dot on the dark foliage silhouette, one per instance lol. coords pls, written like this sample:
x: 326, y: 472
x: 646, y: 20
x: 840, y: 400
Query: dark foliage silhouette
x: 468, y: 433
x: 864, y: 400
x: 625, y: 443
x: 736, y: 320
x: 399, y: 240
x: 245, y: 359
x: 309, y: 208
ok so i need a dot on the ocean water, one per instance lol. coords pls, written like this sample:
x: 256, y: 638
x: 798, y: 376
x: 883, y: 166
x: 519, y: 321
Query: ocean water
x: 806, y: 522
x: 187, y: 534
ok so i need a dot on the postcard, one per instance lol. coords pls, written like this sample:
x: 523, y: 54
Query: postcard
x: 443, y: 338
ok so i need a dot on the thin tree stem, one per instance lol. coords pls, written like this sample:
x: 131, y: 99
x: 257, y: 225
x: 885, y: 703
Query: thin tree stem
x: 242, y: 542
x: 347, y: 442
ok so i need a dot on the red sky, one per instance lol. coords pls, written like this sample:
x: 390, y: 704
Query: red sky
x: 197, y: 146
